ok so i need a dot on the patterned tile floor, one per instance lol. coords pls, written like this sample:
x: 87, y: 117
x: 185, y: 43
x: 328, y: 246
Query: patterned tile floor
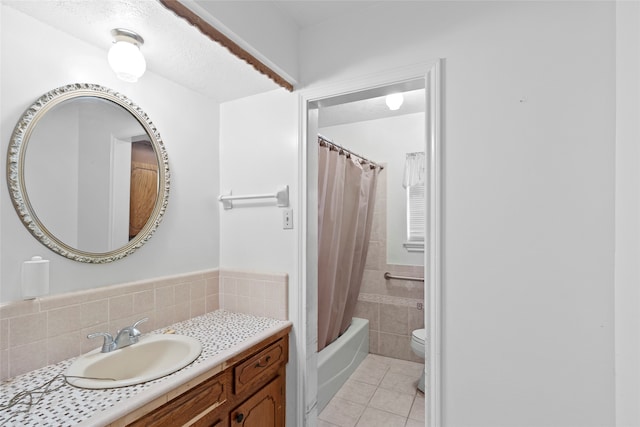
x: 380, y: 393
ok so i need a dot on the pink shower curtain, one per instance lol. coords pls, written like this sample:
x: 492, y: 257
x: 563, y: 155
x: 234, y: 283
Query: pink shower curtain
x: 346, y: 196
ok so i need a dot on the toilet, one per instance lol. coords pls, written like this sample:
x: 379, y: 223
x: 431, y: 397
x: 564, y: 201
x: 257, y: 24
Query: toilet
x: 417, y: 345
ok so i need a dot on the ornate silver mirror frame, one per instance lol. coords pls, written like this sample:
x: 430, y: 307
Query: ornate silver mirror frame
x: 16, y: 176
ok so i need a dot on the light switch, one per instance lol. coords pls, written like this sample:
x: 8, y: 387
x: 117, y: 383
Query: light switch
x: 287, y: 219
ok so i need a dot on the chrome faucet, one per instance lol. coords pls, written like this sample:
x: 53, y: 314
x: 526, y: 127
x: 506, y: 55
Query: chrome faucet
x: 125, y: 337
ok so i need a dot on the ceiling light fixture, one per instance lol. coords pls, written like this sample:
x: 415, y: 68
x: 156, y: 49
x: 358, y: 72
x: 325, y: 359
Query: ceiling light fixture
x: 125, y: 57
x: 394, y: 101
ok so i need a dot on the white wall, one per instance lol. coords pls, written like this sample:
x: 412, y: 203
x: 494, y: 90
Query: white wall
x: 259, y: 153
x: 56, y: 154
x: 387, y: 141
x: 627, y: 291
x: 36, y: 58
x: 529, y: 195
x: 95, y: 174
x: 258, y: 135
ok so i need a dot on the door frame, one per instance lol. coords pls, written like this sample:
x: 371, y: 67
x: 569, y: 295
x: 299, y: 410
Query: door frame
x: 432, y: 73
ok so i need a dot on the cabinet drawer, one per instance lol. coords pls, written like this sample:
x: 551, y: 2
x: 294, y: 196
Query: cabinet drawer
x: 201, y: 399
x: 212, y: 419
x: 261, y: 365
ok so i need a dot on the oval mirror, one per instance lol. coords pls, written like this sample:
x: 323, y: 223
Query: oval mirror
x: 88, y: 173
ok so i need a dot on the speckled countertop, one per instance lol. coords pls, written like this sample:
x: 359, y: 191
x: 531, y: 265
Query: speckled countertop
x: 223, y: 334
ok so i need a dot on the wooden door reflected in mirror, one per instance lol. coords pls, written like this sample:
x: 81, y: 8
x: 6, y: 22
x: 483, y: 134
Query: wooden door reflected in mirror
x: 144, y: 185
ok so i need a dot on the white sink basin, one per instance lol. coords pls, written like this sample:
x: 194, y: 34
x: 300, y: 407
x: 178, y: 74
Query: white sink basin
x: 154, y: 356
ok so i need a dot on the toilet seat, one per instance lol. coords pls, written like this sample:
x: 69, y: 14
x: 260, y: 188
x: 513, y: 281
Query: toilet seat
x: 419, y: 336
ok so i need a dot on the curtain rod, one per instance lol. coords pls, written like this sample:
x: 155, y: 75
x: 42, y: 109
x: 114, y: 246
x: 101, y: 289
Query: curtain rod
x: 328, y: 141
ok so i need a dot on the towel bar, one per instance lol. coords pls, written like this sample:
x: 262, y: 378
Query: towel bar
x: 281, y: 196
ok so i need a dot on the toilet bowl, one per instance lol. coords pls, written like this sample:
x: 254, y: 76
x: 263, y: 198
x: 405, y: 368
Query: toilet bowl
x: 418, y: 338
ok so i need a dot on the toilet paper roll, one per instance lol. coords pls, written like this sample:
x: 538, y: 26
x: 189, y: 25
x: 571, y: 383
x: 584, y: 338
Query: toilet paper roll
x: 35, y: 278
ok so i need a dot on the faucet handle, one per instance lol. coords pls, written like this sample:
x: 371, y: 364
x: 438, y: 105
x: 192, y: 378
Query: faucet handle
x: 134, y: 332
x: 134, y: 327
x: 108, y: 344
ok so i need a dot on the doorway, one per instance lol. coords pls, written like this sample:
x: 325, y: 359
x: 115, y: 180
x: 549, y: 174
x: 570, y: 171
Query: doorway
x: 427, y: 77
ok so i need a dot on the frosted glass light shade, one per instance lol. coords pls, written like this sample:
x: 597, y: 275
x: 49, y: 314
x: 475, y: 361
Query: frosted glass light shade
x: 127, y: 61
x: 394, y: 101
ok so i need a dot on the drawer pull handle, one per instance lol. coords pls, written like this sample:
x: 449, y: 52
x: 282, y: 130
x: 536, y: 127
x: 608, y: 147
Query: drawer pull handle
x: 266, y: 362
x: 239, y: 417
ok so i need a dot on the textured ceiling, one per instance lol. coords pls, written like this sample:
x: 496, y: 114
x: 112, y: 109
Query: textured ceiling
x: 179, y: 52
x: 308, y: 13
x: 172, y: 48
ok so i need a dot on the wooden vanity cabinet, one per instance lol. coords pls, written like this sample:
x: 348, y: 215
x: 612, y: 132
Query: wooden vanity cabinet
x: 249, y: 392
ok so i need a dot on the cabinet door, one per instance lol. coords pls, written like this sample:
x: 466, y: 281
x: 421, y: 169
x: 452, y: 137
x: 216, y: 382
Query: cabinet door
x: 264, y: 409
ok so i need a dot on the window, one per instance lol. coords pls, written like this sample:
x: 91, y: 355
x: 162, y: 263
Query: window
x: 414, y: 182
x: 416, y: 221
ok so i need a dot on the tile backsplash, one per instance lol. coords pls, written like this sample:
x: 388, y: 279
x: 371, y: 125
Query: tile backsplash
x: 47, y: 330
x: 254, y: 293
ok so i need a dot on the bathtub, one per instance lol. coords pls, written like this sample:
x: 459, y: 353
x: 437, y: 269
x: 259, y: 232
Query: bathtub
x: 338, y: 360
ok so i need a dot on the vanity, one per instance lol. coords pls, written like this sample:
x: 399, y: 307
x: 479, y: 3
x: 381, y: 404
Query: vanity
x: 250, y: 391
x: 238, y: 380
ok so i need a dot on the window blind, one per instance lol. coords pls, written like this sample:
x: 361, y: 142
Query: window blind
x: 416, y: 219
